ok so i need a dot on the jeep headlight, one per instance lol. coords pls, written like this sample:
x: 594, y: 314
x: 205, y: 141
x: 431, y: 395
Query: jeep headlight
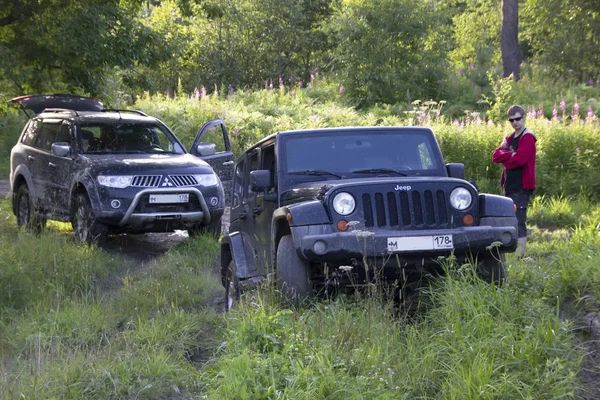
x: 460, y: 198
x: 115, y: 181
x: 206, y: 179
x: 343, y: 203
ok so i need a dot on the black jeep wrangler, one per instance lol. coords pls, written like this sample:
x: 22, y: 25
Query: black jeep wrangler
x: 335, y: 206
x: 115, y: 171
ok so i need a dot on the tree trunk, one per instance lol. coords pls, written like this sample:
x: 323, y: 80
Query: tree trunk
x: 509, y: 39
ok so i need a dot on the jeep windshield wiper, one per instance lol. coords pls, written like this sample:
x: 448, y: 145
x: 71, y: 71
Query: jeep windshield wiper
x: 316, y: 172
x: 379, y: 171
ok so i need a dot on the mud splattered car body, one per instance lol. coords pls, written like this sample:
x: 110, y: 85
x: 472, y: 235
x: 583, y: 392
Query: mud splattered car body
x: 114, y: 171
x: 327, y: 207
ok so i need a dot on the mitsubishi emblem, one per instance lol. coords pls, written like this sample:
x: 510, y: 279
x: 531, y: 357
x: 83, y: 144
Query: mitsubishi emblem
x: 167, y: 182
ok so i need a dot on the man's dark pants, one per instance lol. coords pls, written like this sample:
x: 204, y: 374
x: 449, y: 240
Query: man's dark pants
x: 521, y: 200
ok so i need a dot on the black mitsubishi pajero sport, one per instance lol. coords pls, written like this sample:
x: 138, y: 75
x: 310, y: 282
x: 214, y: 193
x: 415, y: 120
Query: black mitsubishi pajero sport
x: 322, y: 207
x: 115, y: 171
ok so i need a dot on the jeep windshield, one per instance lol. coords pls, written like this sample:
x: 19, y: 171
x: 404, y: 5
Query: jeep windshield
x: 117, y: 137
x: 361, y: 153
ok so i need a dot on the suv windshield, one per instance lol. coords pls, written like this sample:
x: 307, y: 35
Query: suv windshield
x: 109, y: 137
x: 361, y: 153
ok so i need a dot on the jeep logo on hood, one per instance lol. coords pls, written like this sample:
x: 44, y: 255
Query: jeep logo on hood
x: 406, y: 188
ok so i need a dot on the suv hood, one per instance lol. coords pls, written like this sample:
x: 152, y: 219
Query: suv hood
x: 39, y: 103
x: 148, y: 164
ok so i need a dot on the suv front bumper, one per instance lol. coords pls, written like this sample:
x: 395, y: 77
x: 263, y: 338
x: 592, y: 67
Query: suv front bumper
x: 340, y: 247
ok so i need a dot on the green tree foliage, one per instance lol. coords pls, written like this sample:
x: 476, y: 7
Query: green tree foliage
x: 388, y: 50
x: 564, y: 36
x: 72, y: 46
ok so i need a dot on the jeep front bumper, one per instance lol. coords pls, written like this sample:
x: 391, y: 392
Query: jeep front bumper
x: 320, y: 244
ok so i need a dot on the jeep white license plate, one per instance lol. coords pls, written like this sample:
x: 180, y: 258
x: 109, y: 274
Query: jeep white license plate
x: 396, y: 244
x: 169, y: 198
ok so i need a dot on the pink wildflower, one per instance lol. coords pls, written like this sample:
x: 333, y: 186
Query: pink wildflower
x: 575, y: 111
x: 455, y: 123
x: 202, y: 92
x: 554, y: 112
x: 563, y: 106
x: 299, y: 84
x: 281, y: 87
x: 540, y: 112
x: 341, y: 89
x: 590, y: 113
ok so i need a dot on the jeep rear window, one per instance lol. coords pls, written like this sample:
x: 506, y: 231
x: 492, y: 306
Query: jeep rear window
x: 358, y: 153
x: 103, y: 137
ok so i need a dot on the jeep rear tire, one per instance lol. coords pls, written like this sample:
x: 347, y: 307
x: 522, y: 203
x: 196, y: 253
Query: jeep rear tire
x: 292, y: 273
x: 491, y: 270
x: 232, y: 287
x: 87, y: 229
x: 27, y: 216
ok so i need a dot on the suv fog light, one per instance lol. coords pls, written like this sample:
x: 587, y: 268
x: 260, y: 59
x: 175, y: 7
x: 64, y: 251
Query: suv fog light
x: 319, y: 247
x: 214, y: 201
x: 115, y: 203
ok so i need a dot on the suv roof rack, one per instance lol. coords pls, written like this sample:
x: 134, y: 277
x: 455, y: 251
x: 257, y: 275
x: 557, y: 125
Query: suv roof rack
x: 61, y: 111
x: 143, y: 114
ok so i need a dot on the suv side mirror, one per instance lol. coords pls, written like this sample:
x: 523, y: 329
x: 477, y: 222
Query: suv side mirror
x: 61, y: 149
x: 260, y: 180
x: 456, y: 170
x: 206, y: 149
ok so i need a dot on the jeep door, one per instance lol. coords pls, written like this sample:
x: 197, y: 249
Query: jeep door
x: 263, y: 208
x: 243, y: 215
x: 221, y: 160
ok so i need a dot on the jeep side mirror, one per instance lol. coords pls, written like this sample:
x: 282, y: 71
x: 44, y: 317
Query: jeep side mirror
x: 260, y: 180
x: 456, y: 170
x: 61, y: 149
x: 206, y: 149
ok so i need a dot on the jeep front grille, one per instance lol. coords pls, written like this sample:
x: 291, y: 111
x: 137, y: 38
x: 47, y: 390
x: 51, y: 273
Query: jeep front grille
x: 406, y: 210
x: 167, y: 181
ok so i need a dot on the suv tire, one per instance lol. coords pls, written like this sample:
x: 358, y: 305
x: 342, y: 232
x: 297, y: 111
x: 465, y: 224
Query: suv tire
x: 232, y: 287
x: 491, y: 270
x: 27, y: 216
x: 87, y: 229
x: 292, y: 273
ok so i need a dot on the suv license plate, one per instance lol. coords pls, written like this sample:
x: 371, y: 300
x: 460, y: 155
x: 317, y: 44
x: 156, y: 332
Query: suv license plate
x: 169, y: 198
x: 396, y: 244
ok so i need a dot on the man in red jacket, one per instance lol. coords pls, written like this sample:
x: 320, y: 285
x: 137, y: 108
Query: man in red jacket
x: 517, y: 154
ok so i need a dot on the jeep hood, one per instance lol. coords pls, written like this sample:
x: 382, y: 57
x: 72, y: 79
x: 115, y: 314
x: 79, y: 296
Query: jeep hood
x: 148, y: 164
x: 316, y: 190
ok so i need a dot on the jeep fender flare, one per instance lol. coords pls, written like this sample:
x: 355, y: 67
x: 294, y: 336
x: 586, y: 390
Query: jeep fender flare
x: 235, y: 247
x: 302, y: 214
x: 22, y: 174
x: 495, y: 210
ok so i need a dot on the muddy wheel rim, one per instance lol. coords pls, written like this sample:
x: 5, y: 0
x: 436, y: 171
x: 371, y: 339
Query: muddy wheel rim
x: 24, y: 211
x: 83, y: 229
x: 230, y: 291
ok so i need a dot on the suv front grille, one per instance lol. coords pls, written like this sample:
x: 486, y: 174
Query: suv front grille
x: 169, y: 181
x: 406, y: 210
x: 146, y: 180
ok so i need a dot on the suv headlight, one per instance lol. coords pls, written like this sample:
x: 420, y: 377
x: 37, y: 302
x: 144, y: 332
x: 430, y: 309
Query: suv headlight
x: 460, y: 198
x: 343, y: 203
x: 206, y: 179
x: 115, y: 181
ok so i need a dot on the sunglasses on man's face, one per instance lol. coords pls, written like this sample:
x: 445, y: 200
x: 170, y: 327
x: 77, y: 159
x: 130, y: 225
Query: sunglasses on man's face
x: 515, y: 119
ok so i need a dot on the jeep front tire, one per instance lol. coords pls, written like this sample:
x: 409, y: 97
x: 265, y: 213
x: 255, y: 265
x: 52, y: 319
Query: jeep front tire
x: 292, y: 273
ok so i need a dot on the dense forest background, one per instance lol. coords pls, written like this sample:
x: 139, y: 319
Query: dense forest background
x: 373, y: 51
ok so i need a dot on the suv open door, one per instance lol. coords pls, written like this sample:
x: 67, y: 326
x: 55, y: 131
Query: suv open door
x: 213, y: 146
